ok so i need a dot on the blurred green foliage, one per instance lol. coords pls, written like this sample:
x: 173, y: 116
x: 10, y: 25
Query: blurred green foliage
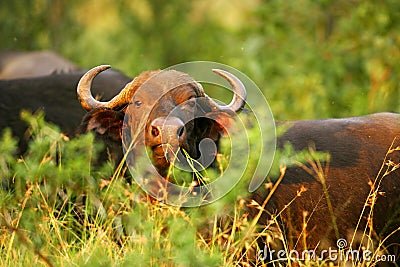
x: 311, y: 59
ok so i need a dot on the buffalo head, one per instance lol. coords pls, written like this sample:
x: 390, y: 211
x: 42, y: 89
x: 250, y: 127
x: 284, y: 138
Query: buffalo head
x: 167, y: 110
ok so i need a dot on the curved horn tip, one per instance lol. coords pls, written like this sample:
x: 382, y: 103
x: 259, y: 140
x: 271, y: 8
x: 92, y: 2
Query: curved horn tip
x: 239, y: 90
x: 102, y: 67
x: 219, y: 71
x: 227, y: 75
x: 232, y: 79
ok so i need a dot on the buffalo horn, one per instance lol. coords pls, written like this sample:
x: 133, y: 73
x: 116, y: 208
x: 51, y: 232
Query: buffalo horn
x: 86, y: 98
x: 239, y: 91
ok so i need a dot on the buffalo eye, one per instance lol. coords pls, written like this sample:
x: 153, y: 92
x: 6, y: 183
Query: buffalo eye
x: 138, y: 103
x: 191, y: 102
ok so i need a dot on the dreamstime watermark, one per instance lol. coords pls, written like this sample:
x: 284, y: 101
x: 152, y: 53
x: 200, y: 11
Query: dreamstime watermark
x: 145, y: 107
x: 341, y: 253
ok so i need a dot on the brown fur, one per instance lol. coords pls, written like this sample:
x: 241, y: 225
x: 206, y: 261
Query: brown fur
x: 357, y: 148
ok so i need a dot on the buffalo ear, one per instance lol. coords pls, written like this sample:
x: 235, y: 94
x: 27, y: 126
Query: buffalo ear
x: 104, y: 122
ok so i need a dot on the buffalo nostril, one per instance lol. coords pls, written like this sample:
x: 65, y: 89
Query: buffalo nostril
x: 180, y: 131
x: 155, y: 131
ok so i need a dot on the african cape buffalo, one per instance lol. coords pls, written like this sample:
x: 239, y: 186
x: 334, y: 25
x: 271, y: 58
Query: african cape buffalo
x: 182, y: 116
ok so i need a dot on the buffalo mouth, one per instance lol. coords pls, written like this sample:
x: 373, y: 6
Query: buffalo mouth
x: 165, y: 151
x: 160, y: 150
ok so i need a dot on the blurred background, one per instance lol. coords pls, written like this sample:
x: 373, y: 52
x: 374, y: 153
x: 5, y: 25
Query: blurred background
x: 312, y: 58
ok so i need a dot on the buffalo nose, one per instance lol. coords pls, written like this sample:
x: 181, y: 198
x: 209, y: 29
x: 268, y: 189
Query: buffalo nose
x: 155, y: 131
x: 167, y: 126
x: 180, y: 131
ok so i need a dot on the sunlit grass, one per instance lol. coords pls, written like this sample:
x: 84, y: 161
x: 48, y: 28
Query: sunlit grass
x: 59, y: 212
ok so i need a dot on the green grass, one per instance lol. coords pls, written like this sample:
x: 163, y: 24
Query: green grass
x: 63, y: 210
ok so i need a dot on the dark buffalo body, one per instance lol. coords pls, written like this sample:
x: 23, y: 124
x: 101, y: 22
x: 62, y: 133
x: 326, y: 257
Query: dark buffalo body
x: 54, y: 94
x: 357, y: 148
